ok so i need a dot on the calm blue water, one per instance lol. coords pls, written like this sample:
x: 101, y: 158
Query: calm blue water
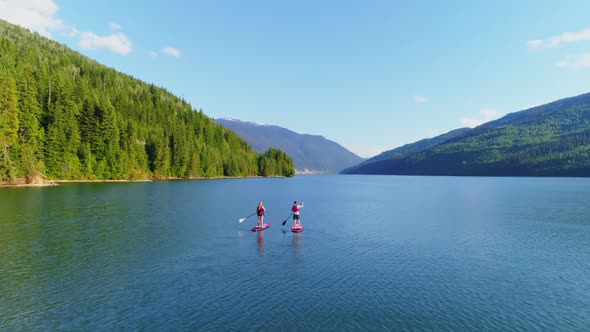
x: 377, y: 254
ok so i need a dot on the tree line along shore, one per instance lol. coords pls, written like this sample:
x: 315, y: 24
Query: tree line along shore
x: 64, y: 116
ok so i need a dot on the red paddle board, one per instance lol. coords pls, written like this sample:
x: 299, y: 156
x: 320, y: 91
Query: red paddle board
x: 297, y: 229
x: 260, y: 228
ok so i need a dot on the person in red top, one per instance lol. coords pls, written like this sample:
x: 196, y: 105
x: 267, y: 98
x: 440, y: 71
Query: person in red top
x: 295, y: 209
x: 260, y: 212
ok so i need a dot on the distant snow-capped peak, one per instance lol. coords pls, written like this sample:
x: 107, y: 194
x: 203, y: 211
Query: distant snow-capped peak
x: 245, y: 122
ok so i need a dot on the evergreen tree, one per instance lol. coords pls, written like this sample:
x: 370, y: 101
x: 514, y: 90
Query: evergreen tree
x: 30, y: 133
x: 9, y: 114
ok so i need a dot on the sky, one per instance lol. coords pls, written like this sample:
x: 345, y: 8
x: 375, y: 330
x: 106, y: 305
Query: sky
x: 369, y: 75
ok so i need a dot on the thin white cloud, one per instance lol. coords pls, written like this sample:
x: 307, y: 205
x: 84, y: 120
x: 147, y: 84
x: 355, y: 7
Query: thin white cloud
x: 488, y: 115
x: 554, y: 41
x: 74, y: 32
x: 535, y: 43
x: 115, y: 26
x: 118, y: 42
x: 171, y: 51
x: 35, y: 15
x: 153, y: 54
x: 41, y: 16
x: 578, y: 61
x: 421, y: 99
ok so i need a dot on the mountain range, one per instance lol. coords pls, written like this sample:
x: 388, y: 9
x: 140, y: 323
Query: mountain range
x: 547, y: 140
x: 69, y: 117
x: 310, y: 153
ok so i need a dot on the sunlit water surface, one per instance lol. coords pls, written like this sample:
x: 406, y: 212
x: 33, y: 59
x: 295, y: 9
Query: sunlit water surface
x: 377, y: 254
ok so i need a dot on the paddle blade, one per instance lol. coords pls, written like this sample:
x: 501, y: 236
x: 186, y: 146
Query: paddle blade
x: 242, y: 220
x: 287, y: 219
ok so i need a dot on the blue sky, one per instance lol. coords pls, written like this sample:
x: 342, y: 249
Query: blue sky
x: 370, y: 75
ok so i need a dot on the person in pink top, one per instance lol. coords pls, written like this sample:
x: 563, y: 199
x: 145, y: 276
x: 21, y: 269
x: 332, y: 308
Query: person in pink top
x: 260, y: 212
x: 295, y: 209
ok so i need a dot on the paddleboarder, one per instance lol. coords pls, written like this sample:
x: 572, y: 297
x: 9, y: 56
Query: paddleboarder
x: 260, y: 212
x: 295, y: 210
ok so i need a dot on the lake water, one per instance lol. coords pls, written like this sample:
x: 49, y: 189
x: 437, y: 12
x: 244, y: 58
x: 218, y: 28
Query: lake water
x: 379, y: 253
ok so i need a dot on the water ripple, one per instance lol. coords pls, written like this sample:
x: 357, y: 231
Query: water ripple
x: 377, y: 254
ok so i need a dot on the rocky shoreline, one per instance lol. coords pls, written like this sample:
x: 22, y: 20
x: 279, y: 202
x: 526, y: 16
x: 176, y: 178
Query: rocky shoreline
x: 45, y: 182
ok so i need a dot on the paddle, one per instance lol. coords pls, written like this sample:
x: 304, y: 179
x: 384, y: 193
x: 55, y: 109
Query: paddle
x: 291, y: 215
x: 242, y: 219
x: 287, y: 219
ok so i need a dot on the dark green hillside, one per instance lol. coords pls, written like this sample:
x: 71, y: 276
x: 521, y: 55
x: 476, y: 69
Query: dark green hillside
x: 407, y: 149
x: 548, y: 140
x: 68, y: 117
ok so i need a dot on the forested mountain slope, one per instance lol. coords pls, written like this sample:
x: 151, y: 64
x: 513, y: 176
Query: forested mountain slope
x: 548, y: 140
x: 407, y: 149
x: 69, y: 117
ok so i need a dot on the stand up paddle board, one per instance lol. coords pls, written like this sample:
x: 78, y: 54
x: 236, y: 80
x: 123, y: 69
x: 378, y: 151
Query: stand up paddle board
x: 260, y: 228
x: 297, y: 229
